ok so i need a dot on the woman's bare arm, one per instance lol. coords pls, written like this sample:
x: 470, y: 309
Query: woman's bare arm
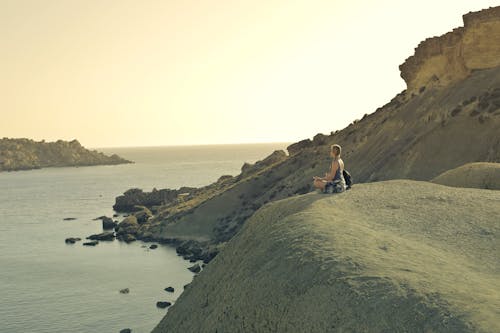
x: 333, y: 170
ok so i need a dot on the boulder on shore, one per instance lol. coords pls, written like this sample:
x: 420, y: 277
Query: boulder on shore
x: 195, y: 268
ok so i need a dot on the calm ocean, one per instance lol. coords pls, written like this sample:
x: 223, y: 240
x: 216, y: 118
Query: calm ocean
x: 49, y: 286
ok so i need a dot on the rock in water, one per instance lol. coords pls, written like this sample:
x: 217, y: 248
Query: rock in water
x: 72, y: 240
x: 153, y: 246
x: 163, y: 305
x: 69, y: 218
x: 105, y: 236
x: 124, y: 291
x: 169, y: 289
x: 92, y: 243
x: 126, y: 330
x: 108, y: 223
x: 195, y: 268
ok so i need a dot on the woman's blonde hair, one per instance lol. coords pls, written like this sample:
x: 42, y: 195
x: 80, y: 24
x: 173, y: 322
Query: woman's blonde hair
x: 337, y: 149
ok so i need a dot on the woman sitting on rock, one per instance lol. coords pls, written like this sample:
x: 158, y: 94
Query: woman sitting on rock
x: 334, y: 181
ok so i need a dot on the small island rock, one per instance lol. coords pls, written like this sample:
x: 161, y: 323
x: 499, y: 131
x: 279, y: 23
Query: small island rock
x: 72, y: 240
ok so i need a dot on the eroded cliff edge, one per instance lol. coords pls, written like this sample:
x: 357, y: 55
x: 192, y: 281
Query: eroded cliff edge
x: 454, y: 56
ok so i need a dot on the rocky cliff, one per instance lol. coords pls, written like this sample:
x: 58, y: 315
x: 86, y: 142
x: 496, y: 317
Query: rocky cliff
x: 25, y: 154
x: 417, y: 135
x: 472, y: 175
x: 452, y: 57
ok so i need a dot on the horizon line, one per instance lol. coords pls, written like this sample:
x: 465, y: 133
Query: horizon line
x: 196, y: 145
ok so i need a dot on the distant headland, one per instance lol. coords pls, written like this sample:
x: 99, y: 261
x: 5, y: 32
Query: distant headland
x: 27, y: 154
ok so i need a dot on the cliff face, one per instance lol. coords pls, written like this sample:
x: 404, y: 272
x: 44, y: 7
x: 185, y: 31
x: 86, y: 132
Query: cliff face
x: 417, y: 135
x: 452, y: 57
x: 25, y: 154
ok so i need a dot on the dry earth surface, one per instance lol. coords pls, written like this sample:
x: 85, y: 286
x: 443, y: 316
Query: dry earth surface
x: 392, y: 256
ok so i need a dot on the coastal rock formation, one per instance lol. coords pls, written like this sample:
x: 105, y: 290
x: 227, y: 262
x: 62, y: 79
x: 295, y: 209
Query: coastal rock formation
x: 454, y: 56
x: 133, y: 199
x: 25, y: 154
x: 143, y: 214
x: 398, y: 140
x: 129, y: 225
x: 472, y: 175
x: 400, y: 256
x: 107, y: 222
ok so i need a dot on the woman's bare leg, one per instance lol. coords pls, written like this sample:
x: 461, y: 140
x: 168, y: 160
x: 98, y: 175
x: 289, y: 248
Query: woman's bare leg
x: 319, y: 184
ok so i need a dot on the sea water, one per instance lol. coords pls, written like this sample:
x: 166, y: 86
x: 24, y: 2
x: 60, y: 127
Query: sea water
x: 49, y: 286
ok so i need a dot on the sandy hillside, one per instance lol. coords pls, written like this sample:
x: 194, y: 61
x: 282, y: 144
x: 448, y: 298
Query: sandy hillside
x: 393, y: 256
x: 472, y: 175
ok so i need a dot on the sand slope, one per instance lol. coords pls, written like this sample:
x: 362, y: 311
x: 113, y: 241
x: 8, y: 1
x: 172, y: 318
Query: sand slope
x: 472, y: 175
x: 394, y: 256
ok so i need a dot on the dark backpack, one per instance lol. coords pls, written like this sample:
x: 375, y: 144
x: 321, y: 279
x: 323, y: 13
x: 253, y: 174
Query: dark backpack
x: 348, y: 179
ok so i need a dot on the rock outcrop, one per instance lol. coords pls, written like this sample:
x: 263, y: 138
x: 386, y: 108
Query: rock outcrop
x: 472, y: 175
x: 133, y: 199
x: 399, y: 256
x: 25, y: 154
x: 454, y: 56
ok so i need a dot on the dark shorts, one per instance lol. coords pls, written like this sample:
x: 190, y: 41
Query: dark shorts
x: 334, y: 187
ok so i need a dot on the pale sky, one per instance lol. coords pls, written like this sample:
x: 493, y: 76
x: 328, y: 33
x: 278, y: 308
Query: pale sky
x: 149, y: 72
